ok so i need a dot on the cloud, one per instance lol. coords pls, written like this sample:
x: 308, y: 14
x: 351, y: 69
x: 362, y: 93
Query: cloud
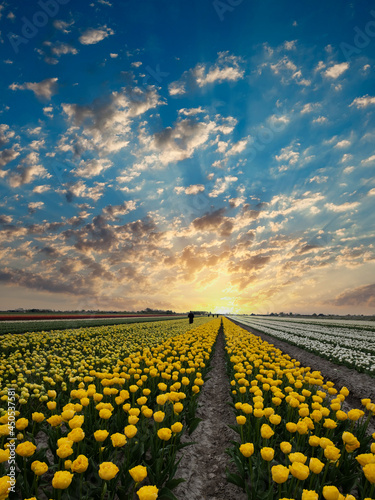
x: 34, y: 206
x: 343, y: 144
x: 81, y: 190
x: 48, y: 111
x: 112, y: 212
x: 336, y: 70
x: 27, y: 171
x: 288, y: 71
x: 44, y: 89
x: 309, y: 107
x: 214, y: 221
x: 344, y: 207
x: 319, y: 179
x: 7, y: 155
x: 363, y: 102
x: 371, y: 192
x: 5, y: 134
x: 360, y: 296
x: 370, y: 159
x: 192, y: 189
x: 62, y: 25
x: 221, y: 185
x: 92, y: 35
x: 226, y: 68
x: 107, y: 120
x: 237, y: 148
x: 320, y: 119
x: 63, y: 48
x: 177, y: 143
x: 91, y: 168
x: 41, y: 189
x: 287, y: 157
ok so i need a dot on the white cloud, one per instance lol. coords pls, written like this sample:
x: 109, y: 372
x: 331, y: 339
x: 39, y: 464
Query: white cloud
x: 106, y: 123
x: 7, y: 155
x: 371, y: 192
x: 5, y: 134
x: 320, y: 119
x: 320, y: 66
x: 34, y: 206
x: 238, y: 147
x: 348, y: 170
x: 191, y: 111
x: 27, y: 171
x: 288, y: 155
x: 345, y: 207
x: 226, y: 68
x: 44, y: 89
x: 192, y: 189
x: 113, y: 56
x: 343, y: 144
x: 290, y: 45
x: 346, y: 157
x: 91, y: 168
x: 178, y: 143
x: 289, y: 72
x: 336, y: 70
x: 62, y: 25
x: 319, y: 179
x: 221, y: 185
x: 363, y: 102
x: 177, y: 88
x: 308, y: 108
x: 370, y: 159
x: 41, y: 189
x: 48, y: 111
x: 62, y: 49
x: 79, y: 189
x: 92, y: 35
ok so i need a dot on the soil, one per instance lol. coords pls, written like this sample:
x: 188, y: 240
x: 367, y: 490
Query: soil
x: 203, y: 464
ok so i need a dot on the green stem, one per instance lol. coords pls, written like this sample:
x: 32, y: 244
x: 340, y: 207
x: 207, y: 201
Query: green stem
x: 324, y: 478
x: 104, y: 490
x: 24, y: 474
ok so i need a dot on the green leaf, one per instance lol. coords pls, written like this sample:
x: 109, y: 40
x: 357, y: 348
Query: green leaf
x: 173, y: 483
x: 183, y: 445
x: 166, y: 494
x: 194, y: 424
x: 235, y: 479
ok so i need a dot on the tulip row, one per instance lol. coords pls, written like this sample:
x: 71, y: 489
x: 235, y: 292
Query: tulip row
x: 295, y: 440
x: 32, y: 363
x: 353, y: 347
x: 117, y: 430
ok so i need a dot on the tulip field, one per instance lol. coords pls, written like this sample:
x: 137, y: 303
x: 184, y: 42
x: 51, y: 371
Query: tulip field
x: 103, y: 413
x: 351, y: 344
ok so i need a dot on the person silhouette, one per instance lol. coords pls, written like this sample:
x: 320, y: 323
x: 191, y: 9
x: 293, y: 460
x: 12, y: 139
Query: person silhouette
x: 191, y: 317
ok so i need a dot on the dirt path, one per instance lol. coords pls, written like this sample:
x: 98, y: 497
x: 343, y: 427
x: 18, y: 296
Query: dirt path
x: 360, y: 385
x: 203, y: 464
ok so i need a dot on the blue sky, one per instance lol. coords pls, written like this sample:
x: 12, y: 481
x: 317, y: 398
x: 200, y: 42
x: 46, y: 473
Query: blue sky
x: 190, y: 155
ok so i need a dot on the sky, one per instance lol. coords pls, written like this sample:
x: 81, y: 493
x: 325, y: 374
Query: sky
x: 208, y: 155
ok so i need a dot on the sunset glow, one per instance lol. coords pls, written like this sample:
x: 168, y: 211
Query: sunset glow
x: 183, y: 155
